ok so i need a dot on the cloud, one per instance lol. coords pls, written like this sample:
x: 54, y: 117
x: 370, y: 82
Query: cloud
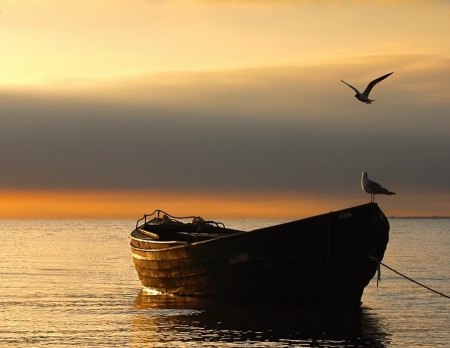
x: 279, y: 129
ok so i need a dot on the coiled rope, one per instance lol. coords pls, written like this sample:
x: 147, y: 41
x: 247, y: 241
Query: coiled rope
x: 377, y: 260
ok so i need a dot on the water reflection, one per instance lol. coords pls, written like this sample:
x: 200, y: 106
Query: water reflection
x: 164, y: 321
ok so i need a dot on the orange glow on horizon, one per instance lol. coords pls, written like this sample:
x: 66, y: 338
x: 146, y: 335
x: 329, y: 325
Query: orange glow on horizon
x: 217, y: 205
x: 132, y: 205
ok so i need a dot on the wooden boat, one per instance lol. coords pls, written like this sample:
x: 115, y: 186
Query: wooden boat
x: 328, y: 258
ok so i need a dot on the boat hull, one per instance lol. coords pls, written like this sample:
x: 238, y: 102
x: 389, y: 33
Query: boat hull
x: 327, y: 259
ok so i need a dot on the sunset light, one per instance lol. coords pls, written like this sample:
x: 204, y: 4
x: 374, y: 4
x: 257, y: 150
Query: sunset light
x: 233, y: 108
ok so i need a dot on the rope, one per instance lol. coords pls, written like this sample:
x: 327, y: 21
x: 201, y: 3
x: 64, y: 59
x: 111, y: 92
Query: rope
x: 416, y: 282
x: 196, y: 220
x: 377, y: 260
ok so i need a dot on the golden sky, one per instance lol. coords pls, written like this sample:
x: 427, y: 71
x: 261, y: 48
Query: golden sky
x: 229, y: 108
x: 49, y: 40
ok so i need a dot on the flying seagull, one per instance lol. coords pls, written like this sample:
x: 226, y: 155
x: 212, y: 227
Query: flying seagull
x: 364, y: 96
x: 373, y: 188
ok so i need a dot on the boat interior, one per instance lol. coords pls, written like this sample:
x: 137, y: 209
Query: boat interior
x: 167, y: 230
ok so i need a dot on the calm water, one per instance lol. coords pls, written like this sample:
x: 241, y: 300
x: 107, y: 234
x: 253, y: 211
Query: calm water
x: 73, y: 283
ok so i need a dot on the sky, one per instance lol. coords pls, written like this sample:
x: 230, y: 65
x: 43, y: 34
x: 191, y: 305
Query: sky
x: 222, y: 108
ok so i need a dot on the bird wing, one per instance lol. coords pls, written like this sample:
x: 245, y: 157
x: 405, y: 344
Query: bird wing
x: 377, y: 188
x: 351, y: 86
x: 374, y: 82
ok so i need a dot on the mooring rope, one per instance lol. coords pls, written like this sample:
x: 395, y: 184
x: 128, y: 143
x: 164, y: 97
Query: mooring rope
x: 378, y: 262
x: 414, y: 281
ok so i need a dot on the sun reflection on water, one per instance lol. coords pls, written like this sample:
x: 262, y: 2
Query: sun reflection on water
x: 73, y: 283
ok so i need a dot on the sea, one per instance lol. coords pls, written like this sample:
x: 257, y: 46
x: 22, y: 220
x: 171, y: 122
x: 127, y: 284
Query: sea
x: 72, y: 283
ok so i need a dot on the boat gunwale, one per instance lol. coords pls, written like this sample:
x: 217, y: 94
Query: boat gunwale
x: 247, y: 233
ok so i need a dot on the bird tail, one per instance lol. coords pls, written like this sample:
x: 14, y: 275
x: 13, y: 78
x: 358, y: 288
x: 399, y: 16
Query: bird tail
x: 390, y: 193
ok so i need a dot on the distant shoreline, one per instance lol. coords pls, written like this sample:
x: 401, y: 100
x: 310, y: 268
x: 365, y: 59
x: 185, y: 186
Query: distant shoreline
x: 420, y: 217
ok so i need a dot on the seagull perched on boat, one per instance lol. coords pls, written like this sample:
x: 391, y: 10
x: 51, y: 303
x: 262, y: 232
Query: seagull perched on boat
x: 364, y: 96
x: 373, y: 188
